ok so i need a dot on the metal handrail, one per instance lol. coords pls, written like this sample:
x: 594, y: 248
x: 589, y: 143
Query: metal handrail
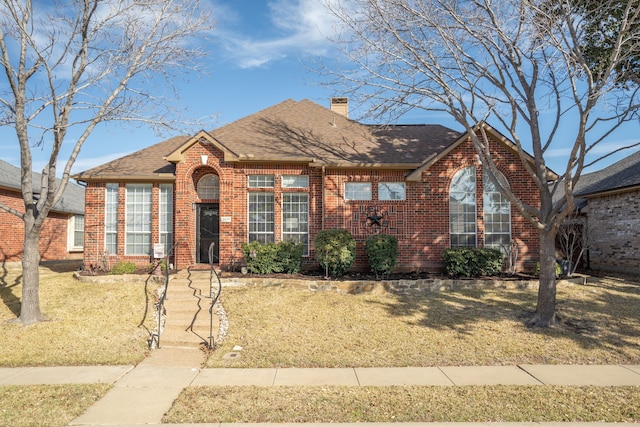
x: 213, y: 295
x: 155, y: 337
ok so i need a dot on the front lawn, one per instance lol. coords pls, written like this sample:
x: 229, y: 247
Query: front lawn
x: 278, y: 327
x: 89, y: 323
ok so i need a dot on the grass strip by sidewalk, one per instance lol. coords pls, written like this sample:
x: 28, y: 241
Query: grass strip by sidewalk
x: 47, y: 405
x: 405, y: 404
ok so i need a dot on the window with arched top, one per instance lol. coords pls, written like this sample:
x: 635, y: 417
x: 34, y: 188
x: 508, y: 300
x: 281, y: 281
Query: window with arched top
x: 462, y: 208
x: 209, y: 187
x: 497, y: 214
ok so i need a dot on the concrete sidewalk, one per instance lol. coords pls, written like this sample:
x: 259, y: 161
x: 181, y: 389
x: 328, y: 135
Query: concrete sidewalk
x: 142, y: 395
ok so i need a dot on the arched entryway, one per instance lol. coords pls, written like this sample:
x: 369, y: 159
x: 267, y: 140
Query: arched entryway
x: 208, y: 218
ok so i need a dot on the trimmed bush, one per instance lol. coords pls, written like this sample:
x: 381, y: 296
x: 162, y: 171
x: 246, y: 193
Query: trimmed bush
x: 382, y: 253
x: 267, y: 258
x: 473, y: 262
x: 123, y: 267
x: 335, y: 250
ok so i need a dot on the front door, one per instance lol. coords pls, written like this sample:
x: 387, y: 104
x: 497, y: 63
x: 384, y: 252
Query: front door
x: 208, y: 229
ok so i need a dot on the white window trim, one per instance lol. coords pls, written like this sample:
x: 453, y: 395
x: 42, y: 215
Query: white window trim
x: 71, y: 230
x: 262, y: 183
x: 388, y: 183
x: 126, y: 225
x: 305, y: 249
x: 106, y: 211
x: 249, y: 222
x: 475, y: 215
x: 304, y: 178
x: 167, y: 225
x: 358, y: 183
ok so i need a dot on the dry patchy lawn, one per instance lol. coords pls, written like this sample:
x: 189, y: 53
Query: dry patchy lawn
x: 405, y: 404
x: 47, y: 405
x: 279, y: 327
x: 89, y: 323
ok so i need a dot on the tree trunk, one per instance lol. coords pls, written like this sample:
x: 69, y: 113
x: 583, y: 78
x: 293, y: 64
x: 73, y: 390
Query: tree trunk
x: 545, y: 314
x: 30, y: 308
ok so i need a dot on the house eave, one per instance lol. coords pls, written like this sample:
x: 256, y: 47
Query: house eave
x: 611, y: 192
x: 161, y: 177
x: 393, y: 166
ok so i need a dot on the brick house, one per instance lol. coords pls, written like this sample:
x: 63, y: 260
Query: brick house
x: 62, y: 236
x: 611, y: 209
x: 294, y: 169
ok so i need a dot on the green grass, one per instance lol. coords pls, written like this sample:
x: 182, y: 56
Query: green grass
x: 279, y: 327
x: 405, y: 404
x: 89, y: 323
x: 46, y: 405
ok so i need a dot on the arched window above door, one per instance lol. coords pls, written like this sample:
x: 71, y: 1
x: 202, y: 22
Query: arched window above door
x: 209, y: 187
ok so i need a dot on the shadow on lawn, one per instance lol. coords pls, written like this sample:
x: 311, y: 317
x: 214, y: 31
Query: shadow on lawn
x: 600, y: 315
x: 7, y: 283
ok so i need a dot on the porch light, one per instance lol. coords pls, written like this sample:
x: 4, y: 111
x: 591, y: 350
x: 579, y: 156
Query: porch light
x: 204, y: 159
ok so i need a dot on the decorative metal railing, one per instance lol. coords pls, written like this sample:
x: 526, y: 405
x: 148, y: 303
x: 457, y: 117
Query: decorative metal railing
x: 215, y: 289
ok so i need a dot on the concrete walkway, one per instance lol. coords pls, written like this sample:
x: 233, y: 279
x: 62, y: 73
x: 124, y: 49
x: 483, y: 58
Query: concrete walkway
x: 143, y: 394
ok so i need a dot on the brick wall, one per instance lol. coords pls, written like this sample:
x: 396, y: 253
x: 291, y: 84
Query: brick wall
x: 53, y: 239
x: 613, y: 224
x: 421, y: 222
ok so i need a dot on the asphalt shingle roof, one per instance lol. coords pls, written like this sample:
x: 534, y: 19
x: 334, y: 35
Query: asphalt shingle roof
x: 296, y: 131
x: 291, y: 130
x: 142, y: 164
x: 72, y: 200
x: 622, y: 174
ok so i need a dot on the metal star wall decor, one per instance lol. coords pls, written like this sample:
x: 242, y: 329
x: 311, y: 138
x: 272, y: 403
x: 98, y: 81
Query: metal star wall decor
x: 377, y: 218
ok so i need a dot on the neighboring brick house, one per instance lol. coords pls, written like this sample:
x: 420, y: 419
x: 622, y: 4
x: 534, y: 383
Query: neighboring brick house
x: 62, y: 236
x: 294, y: 169
x: 612, y: 213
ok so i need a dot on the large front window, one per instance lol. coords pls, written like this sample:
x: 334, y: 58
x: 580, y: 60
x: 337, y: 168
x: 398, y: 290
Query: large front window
x: 462, y: 208
x: 295, y: 219
x: 261, y: 217
x: 166, y: 217
x: 138, y: 219
x: 111, y: 219
x: 497, y: 216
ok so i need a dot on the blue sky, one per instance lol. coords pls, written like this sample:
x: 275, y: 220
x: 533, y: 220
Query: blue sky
x: 259, y: 57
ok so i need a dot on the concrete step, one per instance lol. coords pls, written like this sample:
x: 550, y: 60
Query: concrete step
x: 187, y: 320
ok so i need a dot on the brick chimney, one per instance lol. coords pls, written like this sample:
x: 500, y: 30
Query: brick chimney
x: 340, y: 106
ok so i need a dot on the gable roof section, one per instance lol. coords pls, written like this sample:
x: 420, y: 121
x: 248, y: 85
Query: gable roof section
x: 72, y: 200
x: 143, y: 165
x: 305, y: 132
x: 437, y: 155
x: 621, y: 176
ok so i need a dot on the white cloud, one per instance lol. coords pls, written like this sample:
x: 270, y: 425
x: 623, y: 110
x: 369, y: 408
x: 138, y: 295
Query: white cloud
x: 302, y: 28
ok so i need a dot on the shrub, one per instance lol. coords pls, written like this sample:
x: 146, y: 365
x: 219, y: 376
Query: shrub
x: 335, y: 250
x: 290, y: 256
x: 536, y: 270
x: 123, y: 267
x: 267, y: 258
x: 382, y: 253
x: 473, y: 262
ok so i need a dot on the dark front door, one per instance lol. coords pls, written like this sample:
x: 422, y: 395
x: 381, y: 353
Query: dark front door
x: 208, y: 219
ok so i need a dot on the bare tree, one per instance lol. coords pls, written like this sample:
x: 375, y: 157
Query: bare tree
x: 518, y: 64
x: 69, y: 66
x: 573, y: 239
